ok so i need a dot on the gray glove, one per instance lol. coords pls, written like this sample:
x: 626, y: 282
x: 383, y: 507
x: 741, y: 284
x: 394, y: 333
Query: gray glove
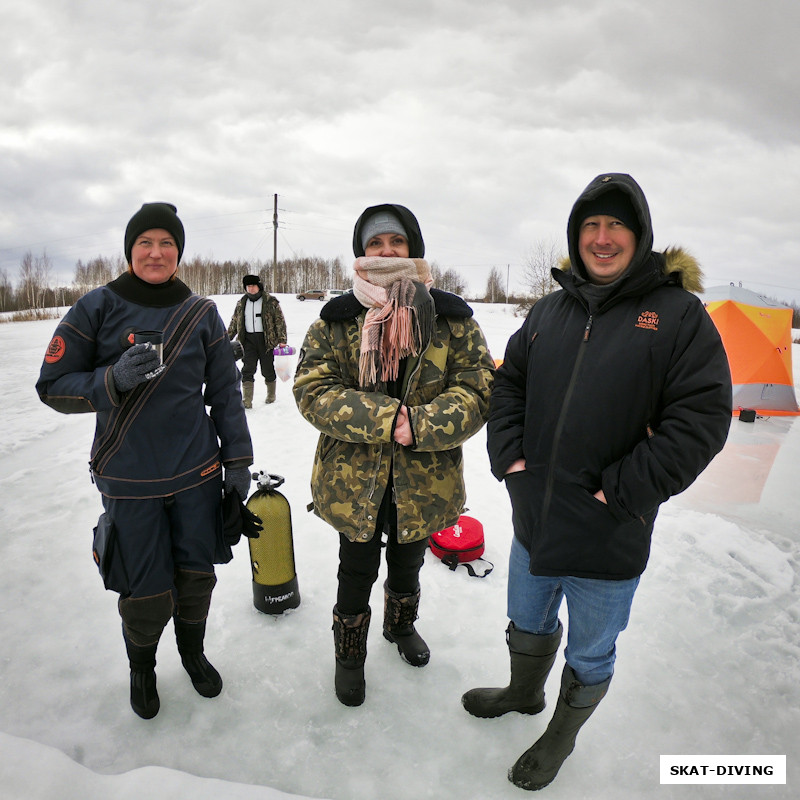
x: 136, y: 365
x: 238, y: 480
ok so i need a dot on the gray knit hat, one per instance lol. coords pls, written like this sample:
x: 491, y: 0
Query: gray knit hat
x: 382, y: 222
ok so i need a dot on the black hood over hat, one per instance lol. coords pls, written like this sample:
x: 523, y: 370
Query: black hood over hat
x: 416, y: 245
x: 616, y: 182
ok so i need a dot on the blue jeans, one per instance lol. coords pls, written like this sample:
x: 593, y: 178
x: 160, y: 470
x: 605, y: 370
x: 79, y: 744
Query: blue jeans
x: 598, y: 611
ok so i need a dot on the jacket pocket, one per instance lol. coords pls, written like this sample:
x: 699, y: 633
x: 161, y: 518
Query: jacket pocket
x: 427, y: 392
x: 585, y: 538
x: 521, y: 488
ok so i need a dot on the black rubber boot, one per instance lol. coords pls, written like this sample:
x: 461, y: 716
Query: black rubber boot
x: 539, y: 765
x: 144, y: 697
x: 190, y: 636
x: 399, y: 614
x: 532, y: 657
x: 350, y: 644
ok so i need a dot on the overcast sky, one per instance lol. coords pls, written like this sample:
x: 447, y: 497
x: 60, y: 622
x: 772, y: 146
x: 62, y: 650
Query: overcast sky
x: 486, y: 119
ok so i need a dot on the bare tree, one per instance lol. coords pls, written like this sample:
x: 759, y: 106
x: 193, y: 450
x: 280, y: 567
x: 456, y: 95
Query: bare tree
x: 6, y: 293
x: 541, y: 259
x: 495, y: 290
x: 449, y: 280
x: 28, y: 288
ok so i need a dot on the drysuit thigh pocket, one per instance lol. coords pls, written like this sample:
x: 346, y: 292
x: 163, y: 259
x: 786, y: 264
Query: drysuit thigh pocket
x: 108, y: 557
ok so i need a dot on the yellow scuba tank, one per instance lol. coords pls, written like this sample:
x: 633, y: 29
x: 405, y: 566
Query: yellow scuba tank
x: 275, y: 587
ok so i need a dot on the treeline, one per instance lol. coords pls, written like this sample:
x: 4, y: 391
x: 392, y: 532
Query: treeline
x: 205, y: 276
x: 34, y: 293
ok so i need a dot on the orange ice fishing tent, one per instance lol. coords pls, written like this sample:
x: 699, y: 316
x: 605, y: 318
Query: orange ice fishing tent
x: 757, y: 335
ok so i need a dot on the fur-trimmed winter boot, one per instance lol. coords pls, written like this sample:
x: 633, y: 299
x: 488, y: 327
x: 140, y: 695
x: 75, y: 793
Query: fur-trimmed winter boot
x: 270, y: 392
x: 350, y: 645
x: 189, y: 636
x: 539, y: 765
x: 532, y: 657
x: 247, y: 393
x: 142, y: 660
x: 399, y: 614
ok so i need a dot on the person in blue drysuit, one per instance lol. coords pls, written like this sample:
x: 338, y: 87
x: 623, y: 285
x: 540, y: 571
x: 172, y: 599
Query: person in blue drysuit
x: 159, y: 458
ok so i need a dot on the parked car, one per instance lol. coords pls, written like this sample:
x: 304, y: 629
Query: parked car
x: 335, y: 292
x: 312, y: 294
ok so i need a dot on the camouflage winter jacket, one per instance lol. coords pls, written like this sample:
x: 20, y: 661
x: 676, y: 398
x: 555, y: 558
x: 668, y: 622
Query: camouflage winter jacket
x: 271, y: 319
x: 446, y: 390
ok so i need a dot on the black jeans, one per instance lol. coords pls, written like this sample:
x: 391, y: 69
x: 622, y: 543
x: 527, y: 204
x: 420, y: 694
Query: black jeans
x: 359, y: 563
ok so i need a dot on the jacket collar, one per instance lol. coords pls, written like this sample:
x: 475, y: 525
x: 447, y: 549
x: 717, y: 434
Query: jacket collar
x: 346, y: 307
x: 158, y: 295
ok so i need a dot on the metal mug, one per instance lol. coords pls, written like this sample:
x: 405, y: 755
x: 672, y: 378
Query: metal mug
x: 155, y: 338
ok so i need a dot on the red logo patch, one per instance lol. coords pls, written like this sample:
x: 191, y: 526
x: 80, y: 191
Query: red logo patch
x: 55, y: 350
x: 648, y: 320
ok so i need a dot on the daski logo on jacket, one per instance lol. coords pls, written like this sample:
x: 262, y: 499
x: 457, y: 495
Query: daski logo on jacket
x: 648, y: 320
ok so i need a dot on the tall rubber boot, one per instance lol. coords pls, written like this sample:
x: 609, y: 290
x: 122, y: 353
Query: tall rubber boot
x: 539, y: 765
x: 350, y: 645
x: 270, y: 392
x: 532, y: 656
x: 142, y: 660
x: 247, y: 394
x: 190, y: 635
x: 399, y: 614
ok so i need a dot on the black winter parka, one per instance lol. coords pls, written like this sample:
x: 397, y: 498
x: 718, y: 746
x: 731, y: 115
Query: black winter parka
x: 634, y: 399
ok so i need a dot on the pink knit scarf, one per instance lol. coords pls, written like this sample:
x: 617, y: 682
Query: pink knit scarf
x: 399, y: 320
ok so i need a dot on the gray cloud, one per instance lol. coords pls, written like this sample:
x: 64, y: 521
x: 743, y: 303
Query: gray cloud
x: 486, y: 119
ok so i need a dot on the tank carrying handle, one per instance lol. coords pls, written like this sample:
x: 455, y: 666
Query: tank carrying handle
x: 267, y: 480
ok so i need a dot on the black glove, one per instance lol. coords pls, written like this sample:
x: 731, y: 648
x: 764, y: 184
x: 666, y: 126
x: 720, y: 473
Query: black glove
x: 238, y: 350
x: 238, y: 519
x: 136, y: 365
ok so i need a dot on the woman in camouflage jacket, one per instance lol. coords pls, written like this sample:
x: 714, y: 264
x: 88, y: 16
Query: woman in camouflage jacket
x: 389, y: 455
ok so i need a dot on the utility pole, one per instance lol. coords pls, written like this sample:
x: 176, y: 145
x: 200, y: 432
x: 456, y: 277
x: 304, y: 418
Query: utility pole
x: 274, y: 243
x: 275, y: 233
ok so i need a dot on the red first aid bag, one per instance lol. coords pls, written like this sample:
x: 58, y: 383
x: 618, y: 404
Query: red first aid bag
x: 460, y: 542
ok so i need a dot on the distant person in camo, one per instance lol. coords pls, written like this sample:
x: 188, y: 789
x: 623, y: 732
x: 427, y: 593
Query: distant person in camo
x: 159, y: 459
x: 259, y: 324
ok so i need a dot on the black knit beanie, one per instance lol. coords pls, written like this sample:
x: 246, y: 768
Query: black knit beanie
x: 155, y: 215
x: 613, y: 203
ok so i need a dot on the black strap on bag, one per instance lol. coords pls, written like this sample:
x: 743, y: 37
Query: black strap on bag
x: 477, y: 568
x: 132, y: 398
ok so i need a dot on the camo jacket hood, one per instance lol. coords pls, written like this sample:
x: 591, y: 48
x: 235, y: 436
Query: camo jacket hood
x: 446, y: 390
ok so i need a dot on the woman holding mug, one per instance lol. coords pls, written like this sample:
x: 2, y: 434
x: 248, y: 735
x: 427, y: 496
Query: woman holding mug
x: 159, y: 458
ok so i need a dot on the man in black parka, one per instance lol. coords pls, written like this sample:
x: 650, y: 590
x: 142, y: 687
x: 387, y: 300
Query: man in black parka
x: 613, y: 396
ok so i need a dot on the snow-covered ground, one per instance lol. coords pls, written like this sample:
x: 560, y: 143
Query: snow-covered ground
x: 710, y: 663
